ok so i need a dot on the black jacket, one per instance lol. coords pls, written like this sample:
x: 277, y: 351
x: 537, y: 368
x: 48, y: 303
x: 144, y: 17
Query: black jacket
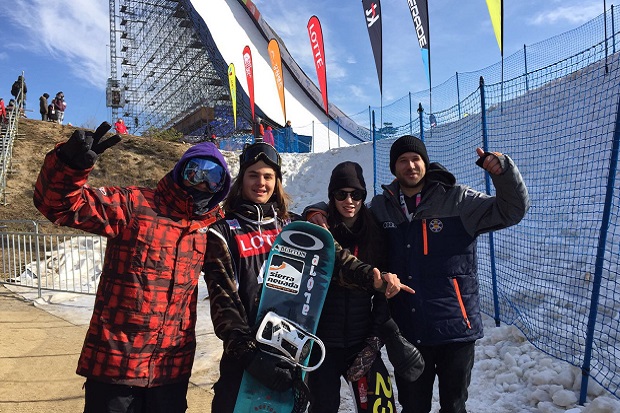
x: 238, y: 246
x: 347, y: 317
x: 15, y: 89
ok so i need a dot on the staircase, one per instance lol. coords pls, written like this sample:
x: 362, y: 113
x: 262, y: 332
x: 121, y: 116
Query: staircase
x: 8, y: 133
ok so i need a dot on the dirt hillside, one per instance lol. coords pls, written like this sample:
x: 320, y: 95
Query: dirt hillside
x: 134, y: 161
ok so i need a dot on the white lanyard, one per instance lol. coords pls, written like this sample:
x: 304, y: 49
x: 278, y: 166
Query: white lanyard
x: 403, y: 205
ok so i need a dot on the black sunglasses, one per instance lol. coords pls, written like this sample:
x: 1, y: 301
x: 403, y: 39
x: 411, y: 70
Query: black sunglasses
x: 256, y: 151
x: 356, y: 195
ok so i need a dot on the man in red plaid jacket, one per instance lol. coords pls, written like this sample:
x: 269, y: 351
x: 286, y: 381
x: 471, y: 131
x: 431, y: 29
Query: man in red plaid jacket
x: 139, y: 348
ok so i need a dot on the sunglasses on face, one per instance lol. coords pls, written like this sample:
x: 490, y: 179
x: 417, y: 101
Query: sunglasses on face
x: 356, y: 195
x: 200, y: 170
x: 260, y: 150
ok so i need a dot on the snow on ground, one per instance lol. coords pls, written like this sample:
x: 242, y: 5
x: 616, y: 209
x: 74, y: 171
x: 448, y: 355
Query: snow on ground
x: 509, y: 376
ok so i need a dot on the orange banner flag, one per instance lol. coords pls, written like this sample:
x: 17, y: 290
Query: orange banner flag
x: 276, y: 66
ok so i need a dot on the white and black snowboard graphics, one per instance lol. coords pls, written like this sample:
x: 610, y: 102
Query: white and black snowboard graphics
x: 296, y: 278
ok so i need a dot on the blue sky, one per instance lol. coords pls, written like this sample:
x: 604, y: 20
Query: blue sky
x: 63, y: 46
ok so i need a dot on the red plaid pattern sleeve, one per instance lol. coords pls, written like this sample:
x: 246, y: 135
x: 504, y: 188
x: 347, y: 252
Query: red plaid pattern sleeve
x: 63, y: 196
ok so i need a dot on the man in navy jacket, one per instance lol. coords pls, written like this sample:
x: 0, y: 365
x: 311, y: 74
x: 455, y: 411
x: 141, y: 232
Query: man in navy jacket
x: 432, y: 225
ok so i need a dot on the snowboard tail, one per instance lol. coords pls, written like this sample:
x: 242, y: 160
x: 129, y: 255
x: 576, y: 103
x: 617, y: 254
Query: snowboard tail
x: 374, y: 392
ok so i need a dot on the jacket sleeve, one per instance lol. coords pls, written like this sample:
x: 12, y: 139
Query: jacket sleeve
x: 352, y: 271
x: 481, y: 213
x: 228, y: 315
x: 63, y: 196
x: 310, y: 209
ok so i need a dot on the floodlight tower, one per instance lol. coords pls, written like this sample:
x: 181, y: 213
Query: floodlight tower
x: 113, y: 90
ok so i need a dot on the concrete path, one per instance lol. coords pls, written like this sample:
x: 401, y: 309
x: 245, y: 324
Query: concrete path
x: 38, y: 357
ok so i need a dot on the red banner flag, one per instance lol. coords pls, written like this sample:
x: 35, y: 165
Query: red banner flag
x: 247, y: 64
x: 318, y: 51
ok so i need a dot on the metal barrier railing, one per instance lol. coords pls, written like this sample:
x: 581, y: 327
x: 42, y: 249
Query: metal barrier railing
x: 36, y: 255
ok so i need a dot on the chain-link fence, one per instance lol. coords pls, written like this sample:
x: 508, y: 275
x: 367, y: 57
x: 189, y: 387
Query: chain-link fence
x: 555, y: 275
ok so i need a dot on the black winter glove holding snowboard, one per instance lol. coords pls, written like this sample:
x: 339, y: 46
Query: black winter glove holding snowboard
x: 84, y: 147
x: 271, y: 371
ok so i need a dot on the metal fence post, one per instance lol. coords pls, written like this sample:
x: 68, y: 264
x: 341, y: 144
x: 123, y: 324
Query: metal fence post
x: 600, y: 257
x: 338, y: 129
x: 487, y: 183
x: 605, y: 35
x: 613, y: 31
x: 374, y: 150
x: 410, y: 117
x: 527, y: 87
x: 420, y: 113
x: 38, y: 255
x: 458, y: 94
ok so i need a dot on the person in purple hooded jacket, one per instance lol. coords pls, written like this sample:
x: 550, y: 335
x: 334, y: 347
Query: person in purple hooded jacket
x: 139, y: 349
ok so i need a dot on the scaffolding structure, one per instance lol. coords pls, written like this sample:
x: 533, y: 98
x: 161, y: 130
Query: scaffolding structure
x: 167, y: 73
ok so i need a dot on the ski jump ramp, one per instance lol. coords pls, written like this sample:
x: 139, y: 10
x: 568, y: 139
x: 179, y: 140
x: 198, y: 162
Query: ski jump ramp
x: 228, y: 26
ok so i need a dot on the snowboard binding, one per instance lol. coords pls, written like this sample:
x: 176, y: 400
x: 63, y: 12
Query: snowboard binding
x: 291, y: 341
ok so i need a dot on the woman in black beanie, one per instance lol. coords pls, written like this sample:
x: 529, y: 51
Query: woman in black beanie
x: 352, y: 317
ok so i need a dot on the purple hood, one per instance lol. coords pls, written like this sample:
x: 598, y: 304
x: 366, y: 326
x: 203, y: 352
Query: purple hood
x: 201, y: 150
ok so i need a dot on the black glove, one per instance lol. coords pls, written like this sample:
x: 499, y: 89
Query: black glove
x: 271, y: 371
x: 84, y: 147
x: 500, y: 157
x: 405, y: 357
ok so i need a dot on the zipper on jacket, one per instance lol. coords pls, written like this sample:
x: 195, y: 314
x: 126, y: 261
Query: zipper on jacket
x: 346, y: 332
x: 461, y: 304
x: 424, y: 237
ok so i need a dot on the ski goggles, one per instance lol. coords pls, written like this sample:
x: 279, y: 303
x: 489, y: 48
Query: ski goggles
x: 202, y: 170
x: 260, y: 151
x: 356, y: 195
